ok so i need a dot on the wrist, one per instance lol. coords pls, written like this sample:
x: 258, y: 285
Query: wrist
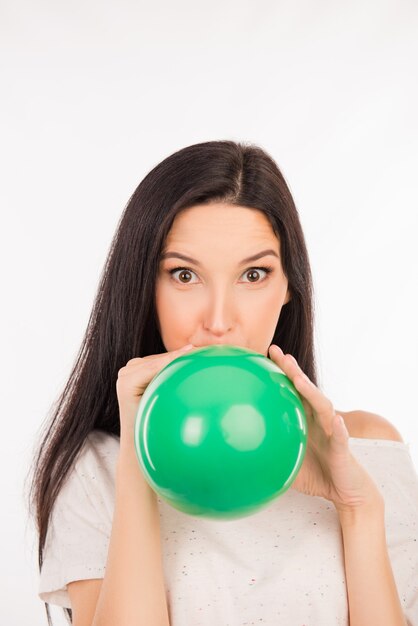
x: 372, y: 514
x: 127, y: 417
x: 129, y: 474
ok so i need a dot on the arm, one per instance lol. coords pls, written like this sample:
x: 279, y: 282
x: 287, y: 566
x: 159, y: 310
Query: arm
x: 372, y: 594
x: 132, y: 592
x: 331, y: 471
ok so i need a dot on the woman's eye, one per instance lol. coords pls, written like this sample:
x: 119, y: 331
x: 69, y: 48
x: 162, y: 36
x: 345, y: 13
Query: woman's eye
x: 253, y: 272
x: 183, y: 271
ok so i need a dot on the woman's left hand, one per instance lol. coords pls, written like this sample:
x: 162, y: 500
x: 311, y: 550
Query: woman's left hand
x: 329, y: 469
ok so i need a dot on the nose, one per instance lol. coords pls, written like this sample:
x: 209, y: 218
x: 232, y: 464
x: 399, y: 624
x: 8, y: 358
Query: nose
x: 218, y: 313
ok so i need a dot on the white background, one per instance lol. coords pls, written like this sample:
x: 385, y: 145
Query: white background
x: 95, y: 94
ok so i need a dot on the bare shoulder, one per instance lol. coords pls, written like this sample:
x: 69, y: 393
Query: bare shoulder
x: 366, y: 425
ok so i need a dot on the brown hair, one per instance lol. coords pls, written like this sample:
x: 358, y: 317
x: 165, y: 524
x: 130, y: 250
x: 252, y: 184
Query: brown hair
x: 123, y: 324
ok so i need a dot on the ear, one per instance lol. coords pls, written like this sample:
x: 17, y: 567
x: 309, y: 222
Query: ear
x: 288, y: 297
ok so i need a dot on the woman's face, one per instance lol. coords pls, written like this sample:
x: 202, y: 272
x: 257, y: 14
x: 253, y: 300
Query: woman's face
x: 219, y: 297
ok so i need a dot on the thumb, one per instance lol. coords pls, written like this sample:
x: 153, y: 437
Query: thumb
x: 340, y: 435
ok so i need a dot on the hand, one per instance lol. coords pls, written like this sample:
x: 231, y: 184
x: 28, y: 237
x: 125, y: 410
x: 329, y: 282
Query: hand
x: 329, y: 470
x: 132, y: 381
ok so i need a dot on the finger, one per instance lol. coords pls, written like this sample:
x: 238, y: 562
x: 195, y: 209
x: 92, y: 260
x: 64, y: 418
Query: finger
x: 287, y: 362
x: 321, y: 404
x: 340, y: 435
x: 172, y: 353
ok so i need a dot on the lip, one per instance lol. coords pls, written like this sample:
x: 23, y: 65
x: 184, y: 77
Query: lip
x: 217, y: 343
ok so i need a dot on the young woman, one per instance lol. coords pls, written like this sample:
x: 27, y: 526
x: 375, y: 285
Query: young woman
x: 210, y: 250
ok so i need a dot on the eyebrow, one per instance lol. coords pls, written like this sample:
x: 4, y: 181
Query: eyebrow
x: 254, y: 257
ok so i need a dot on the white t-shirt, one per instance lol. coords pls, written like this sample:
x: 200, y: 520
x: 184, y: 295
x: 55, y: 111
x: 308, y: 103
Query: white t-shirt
x: 281, y: 566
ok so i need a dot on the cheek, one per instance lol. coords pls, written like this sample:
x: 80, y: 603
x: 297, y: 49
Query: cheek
x: 169, y: 300
x: 267, y: 309
x: 263, y: 318
x: 173, y: 310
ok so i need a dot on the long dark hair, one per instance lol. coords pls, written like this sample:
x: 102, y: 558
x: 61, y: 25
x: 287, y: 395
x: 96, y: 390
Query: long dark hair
x: 123, y: 323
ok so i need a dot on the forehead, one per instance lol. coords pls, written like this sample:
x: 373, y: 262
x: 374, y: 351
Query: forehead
x: 222, y: 223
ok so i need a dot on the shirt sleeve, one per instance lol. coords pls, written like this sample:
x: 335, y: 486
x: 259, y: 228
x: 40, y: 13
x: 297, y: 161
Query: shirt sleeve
x: 79, y: 530
x: 390, y: 463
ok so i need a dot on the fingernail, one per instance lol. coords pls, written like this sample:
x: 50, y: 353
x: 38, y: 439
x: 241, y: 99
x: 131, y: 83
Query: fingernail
x: 188, y: 347
x: 343, y: 426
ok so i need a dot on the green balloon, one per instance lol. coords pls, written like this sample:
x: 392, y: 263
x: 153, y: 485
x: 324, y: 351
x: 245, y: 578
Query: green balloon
x: 220, y: 432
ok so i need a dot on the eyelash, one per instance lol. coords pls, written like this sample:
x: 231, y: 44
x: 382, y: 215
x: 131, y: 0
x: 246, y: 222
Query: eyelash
x: 268, y: 269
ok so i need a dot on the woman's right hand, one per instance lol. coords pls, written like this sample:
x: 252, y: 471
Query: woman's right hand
x: 132, y: 381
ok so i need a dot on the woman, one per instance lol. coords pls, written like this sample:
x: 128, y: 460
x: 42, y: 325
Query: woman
x: 210, y: 250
